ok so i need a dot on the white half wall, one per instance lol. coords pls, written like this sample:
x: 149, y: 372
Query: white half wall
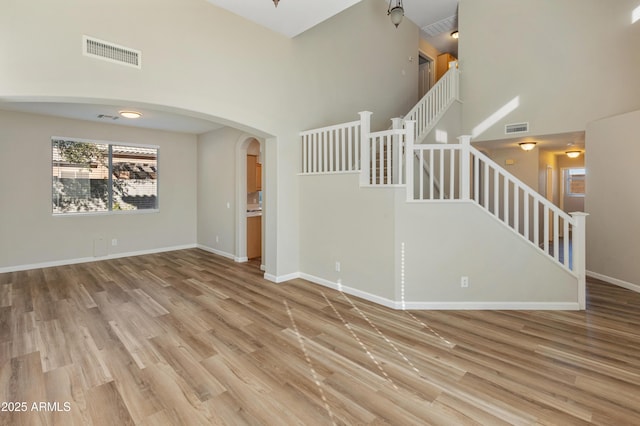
x: 340, y: 222
x: 438, y: 243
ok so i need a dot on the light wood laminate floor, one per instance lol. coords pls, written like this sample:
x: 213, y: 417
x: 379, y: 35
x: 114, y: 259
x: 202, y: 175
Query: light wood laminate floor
x: 191, y: 338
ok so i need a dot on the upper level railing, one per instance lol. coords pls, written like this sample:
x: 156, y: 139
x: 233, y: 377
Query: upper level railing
x: 332, y: 149
x: 434, y: 103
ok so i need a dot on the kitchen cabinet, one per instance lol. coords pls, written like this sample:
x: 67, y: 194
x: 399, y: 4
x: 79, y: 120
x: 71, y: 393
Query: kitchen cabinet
x: 254, y: 237
x: 254, y: 174
x: 258, y: 177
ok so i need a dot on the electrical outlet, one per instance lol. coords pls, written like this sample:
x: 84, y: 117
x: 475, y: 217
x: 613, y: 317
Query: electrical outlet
x: 337, y: 266
x: 464, y: 282
x: 114, y: 242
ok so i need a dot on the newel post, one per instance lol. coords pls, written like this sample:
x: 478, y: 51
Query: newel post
x: 465, y: 167
x: 396, y: 149
x: 409, y: 127
x: 579, y: 255
x: 365, y: 148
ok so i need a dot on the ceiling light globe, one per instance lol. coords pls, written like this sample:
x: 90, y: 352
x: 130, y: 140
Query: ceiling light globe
x: 396, y: 14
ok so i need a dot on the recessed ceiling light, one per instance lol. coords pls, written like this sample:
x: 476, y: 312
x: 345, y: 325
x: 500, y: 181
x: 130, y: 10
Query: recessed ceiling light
x: 455, y: 34
x: 130, y: 114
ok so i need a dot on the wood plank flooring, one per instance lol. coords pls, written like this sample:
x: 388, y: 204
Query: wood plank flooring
x: 190, y: 338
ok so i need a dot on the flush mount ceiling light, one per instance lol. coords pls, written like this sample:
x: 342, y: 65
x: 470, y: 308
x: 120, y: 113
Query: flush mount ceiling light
x: 573, y: 154
x: 130, y: 114
x: 455, y: 34
x: 396, y: 13
x: 527, y: 146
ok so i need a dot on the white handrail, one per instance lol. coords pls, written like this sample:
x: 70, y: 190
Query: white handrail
x: 433, y: 104
x: 332, y: 149
x: 461, y: 172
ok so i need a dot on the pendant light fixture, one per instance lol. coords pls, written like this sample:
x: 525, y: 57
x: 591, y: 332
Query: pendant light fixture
x: 396, y: 13
x: 276, y: 2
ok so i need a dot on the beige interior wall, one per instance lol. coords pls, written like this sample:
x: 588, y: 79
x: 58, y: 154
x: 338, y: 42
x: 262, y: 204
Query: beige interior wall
x: 349, y: 225
x: 31, y: 235
x: 500, y: 266
x: 525, y: 164
x: 357, y: 61
x: 203, y: 61
x: 217, y: 189
x: 429, y: 50
x: 613, y: 227
x: 568, y: 62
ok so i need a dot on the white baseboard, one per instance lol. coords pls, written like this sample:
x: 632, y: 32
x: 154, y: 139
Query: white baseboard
x: 92, y: 259
x: 615, y: 281
x: 216, y: 251
x: 492, y: 306
x: 352, y: 291
x: 281, y: 278
x: 511, y: 306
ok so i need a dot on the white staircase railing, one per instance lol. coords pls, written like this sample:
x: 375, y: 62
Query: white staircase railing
x: 461, y: 172
x: 434, y: 104
x: 454, y: 172
x: 332, y: 149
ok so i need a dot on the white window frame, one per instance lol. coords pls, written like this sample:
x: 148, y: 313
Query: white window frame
x: 110, y: 210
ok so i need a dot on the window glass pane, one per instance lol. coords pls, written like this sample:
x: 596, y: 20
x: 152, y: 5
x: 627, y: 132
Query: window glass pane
x: 135, y: 178
x: 575, y: 182
x: 80, y: 176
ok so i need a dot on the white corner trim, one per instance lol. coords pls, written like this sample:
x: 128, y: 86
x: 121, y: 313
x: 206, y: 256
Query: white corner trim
x: 352, y: 291
x: 216, y: 251
x: 614, y: 281
x: 93, y: 259
x: 281, y: 278
x: 240, y: 259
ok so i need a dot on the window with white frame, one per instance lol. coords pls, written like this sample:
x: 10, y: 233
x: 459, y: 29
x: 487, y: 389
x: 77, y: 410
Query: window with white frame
x: 91, y: 177
x: 575, y: 182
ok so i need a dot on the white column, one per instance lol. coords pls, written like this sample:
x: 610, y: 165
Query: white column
x: 365, y: 156
x: 465, y: 167
x: 396, y: 159
x: 409, y: 127
x: 579, y: 255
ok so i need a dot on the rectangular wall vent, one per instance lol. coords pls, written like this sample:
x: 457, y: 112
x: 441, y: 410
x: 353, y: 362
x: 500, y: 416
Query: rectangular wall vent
x: 111, y: 52
x: 516, y: 128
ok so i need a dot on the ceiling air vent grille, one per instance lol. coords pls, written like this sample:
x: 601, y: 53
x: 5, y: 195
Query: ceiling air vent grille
x: 445, y: 25
x: 111, y: 52
x: 516, y: 128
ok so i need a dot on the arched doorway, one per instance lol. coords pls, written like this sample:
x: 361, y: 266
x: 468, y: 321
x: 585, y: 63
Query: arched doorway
x: 251, y: 199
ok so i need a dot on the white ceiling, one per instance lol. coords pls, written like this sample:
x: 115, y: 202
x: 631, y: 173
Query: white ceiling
x: 291, y: 17
x: 152, y: 118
